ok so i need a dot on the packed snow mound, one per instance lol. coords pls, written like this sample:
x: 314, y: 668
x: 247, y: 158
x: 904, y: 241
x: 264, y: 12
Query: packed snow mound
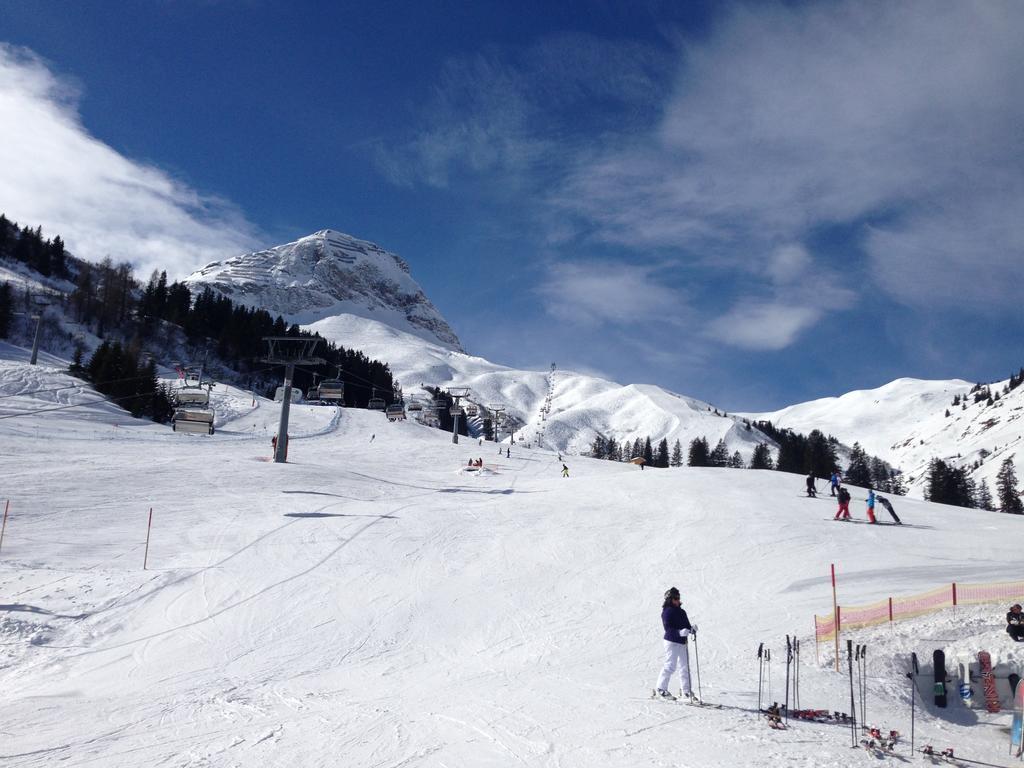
x: 325, y: 274
x: 908, y: 422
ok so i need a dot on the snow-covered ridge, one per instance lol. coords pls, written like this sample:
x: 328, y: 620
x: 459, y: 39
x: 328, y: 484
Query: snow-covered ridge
x: 908, y: 422
x: 326, y: 274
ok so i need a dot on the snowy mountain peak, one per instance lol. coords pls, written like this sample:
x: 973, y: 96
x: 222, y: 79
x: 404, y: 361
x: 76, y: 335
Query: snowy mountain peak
x: 326, y: 274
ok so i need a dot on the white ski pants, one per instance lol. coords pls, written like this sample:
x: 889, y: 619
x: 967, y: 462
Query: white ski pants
x: 676, y: 655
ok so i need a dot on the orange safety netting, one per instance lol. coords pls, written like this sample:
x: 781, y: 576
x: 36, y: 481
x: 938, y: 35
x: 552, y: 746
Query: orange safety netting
x: 896, y: 608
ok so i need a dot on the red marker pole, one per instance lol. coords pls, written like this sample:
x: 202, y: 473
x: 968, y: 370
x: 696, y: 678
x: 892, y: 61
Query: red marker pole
x: 835, y: 613
x: 149, y: 527
x: 7, y: 508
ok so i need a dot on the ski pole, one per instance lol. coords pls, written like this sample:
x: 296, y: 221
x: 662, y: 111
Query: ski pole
x: 860, y: 687
x: 760, y: 673
x: 696, y: 663
x: 864, y: 683
x: 796, y: 672
x: 789, y: 659
x: 912, y: 674
x: 853, y: 703
x: 768, y: 662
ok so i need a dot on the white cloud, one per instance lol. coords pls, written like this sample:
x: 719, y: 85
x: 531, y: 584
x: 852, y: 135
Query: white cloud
x: 56, y: 175
x: 762, y: 325
x: 787, y: 119
x: 599, y: 293
x: 515, y: 112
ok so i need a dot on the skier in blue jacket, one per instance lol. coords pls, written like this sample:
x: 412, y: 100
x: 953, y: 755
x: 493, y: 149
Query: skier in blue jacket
x: 677, y: 629
x: 871, y: 506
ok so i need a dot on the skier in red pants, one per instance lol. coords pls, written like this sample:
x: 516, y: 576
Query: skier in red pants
x: 843, y: 512
x: 871, y: 506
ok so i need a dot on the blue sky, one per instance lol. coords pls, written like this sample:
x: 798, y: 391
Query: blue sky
x: 755, y: 204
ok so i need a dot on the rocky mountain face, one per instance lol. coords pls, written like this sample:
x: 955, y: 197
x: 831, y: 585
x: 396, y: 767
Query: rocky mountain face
x: 326, y: 274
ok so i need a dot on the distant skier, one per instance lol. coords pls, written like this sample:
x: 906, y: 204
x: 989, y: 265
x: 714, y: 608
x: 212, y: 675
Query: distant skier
x: 1015, y: 623
x: 871, y: 506
x: 508, y: 453
x: 835, y: 481
x: 677, y: 629
x: 811, y: 490
x: 565, y: 471
x: 888, y: 508
x: 843, y: 513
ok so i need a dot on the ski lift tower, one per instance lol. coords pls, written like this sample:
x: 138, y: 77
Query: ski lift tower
x: 456, y: 394
x: 497, y: 409
x: 288, y: 351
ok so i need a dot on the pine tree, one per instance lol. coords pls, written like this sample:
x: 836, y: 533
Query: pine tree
x: 819, y: 454
x: 720, y: 455
x: 879, y: 474
x: 612, y: 450
x: 762, y: 458
x: 6, y: 309
x: 1006, y: 488
x: 858, y: 473
x: 677, y: 455
x: 736, y: 462
x: 896, y: 485
x: 648, y: 452
x: 661, y: 458
x: 984, y: 497
x: 698, y: 454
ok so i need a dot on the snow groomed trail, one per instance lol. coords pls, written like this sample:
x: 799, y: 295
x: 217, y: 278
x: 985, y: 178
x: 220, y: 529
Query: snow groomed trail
x: 372, y: 603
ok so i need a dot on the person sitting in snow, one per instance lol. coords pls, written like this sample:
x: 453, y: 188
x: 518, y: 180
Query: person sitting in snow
x: 677, y: 628
x: 811, y: 490
x: 1015, y: 623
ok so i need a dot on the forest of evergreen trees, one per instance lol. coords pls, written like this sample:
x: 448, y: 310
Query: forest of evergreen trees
x: 947, y: 484
x: 109, y: 300
x: 797, y: 453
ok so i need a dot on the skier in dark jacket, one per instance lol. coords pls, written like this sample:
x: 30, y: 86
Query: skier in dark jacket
x: 677, y: 628
x: 1015, y: 623
x: 888, y: 507
x: 843, y: 513
x: 811, y: 490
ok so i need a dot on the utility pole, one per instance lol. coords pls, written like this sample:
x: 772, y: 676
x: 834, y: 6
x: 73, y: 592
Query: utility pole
x: 35, y: 339
x: 497, y: 409
x: 456, y: 393
x: 288, y: 351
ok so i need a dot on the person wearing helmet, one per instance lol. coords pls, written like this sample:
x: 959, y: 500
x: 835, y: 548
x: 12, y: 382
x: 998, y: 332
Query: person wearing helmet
x: 1015, y: 623
x: 677, y: 628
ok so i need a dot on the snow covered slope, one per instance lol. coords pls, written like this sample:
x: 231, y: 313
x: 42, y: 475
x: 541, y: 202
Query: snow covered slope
x: 580, y: 406
x: 325, y: 274
x: 372, y: 603
x: 905, y: 423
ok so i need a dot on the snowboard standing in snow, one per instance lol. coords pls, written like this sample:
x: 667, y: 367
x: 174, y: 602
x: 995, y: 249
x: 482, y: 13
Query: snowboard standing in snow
x: 939, y: 662
x: 988, y: 682
x: 966, y: 692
